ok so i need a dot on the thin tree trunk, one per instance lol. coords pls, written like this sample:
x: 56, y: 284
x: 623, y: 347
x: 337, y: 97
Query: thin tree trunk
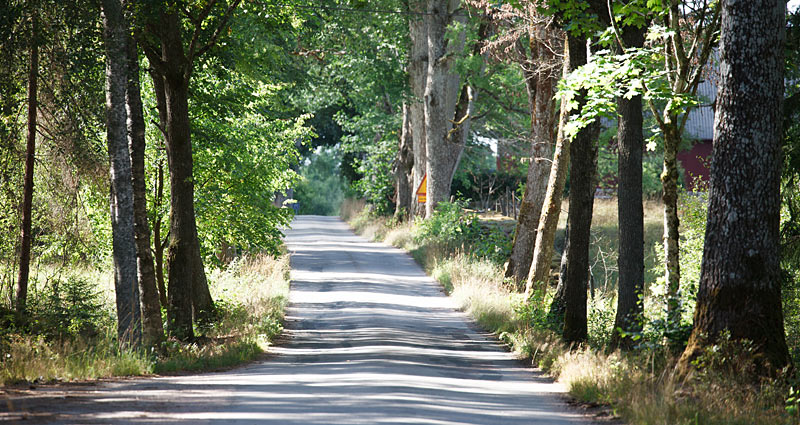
x: 740, y: 281
x: 551, y: 208
x: 630, y: 211
x: 669, y: 181
x: 158, y: 200
x: 403, y: 169
x: 27, y: 191
x: 152, y: 327
x: 158, y: 244
x: 122, y: 221
x: 541, y: 89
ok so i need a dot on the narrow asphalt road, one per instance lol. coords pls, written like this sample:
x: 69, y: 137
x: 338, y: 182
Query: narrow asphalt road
x: 369, y: 339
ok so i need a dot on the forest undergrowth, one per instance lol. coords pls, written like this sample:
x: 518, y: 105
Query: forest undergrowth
x: 639, y: 386
x: 72, y: 331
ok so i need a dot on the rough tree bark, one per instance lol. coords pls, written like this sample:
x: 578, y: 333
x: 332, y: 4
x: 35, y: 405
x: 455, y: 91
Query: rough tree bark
x: 669, y: 185
x: 630, y: 211
x: 583, y: 163
x: 443, y: 151
x: 152, y: 327
x: 122, y: 222
x: 183, y: 228
x: 740, y: 283
x: 26, y: 236
x: 418, y: 75
x: 540, y: 84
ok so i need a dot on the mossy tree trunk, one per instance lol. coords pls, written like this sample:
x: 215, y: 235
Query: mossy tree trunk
x: 551, y: 208
x: 740, y: 284
x: 684, y: 71
x: 540, y: 84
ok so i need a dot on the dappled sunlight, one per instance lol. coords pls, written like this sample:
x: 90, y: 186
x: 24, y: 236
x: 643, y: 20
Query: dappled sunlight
x: 369, y: 339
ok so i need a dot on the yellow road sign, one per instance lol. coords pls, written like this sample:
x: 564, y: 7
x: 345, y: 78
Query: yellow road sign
x: 422, y: 190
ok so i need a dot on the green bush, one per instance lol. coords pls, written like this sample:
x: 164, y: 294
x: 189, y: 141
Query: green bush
x: 493, y: 243
x: 534, y: 312
x: 449, y: 226
x: 692, y: 209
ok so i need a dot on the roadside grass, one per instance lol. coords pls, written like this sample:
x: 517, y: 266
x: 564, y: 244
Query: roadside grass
x: 77, y: 340
x: 639, y: 386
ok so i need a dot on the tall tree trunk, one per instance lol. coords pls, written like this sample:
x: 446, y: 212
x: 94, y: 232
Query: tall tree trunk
x: 30, y: 159
x: 630, y: 211
x: 418, y: 75
x: 152, y: 327
x: 740, y: 283
x: 669, y: 182
x: 403, y: 169
x: 188, y: 292
x: 122, y: 222
x: 540, y: 85
x: 443, y: 151
x: 181, y: 255
x: 158, y: 198
x: 551, y: 207
x: 583, y: 163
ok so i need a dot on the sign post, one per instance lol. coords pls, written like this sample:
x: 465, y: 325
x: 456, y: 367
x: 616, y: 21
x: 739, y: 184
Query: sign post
x: 422, y: 190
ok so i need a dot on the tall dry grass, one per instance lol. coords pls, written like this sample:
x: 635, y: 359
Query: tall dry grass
x: 638, y: 387
x: 250, y: 294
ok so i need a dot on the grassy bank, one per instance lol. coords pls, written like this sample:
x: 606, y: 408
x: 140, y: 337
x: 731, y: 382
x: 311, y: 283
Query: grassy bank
x: 638, y: 386
x: 72, y: 334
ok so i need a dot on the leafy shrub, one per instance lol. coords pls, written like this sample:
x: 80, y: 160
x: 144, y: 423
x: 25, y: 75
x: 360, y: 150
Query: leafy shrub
x: 493, y: 243
x: 692, y: 209
x: 600, y: 320
x: 449, y: 226
x: 533, y: 312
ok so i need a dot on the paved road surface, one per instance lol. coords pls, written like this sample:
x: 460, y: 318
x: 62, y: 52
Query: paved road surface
x: 370, y: 340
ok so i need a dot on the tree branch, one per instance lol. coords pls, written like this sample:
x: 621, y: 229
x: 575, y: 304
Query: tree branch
x: 213, y: 40
x: 198, y: 25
